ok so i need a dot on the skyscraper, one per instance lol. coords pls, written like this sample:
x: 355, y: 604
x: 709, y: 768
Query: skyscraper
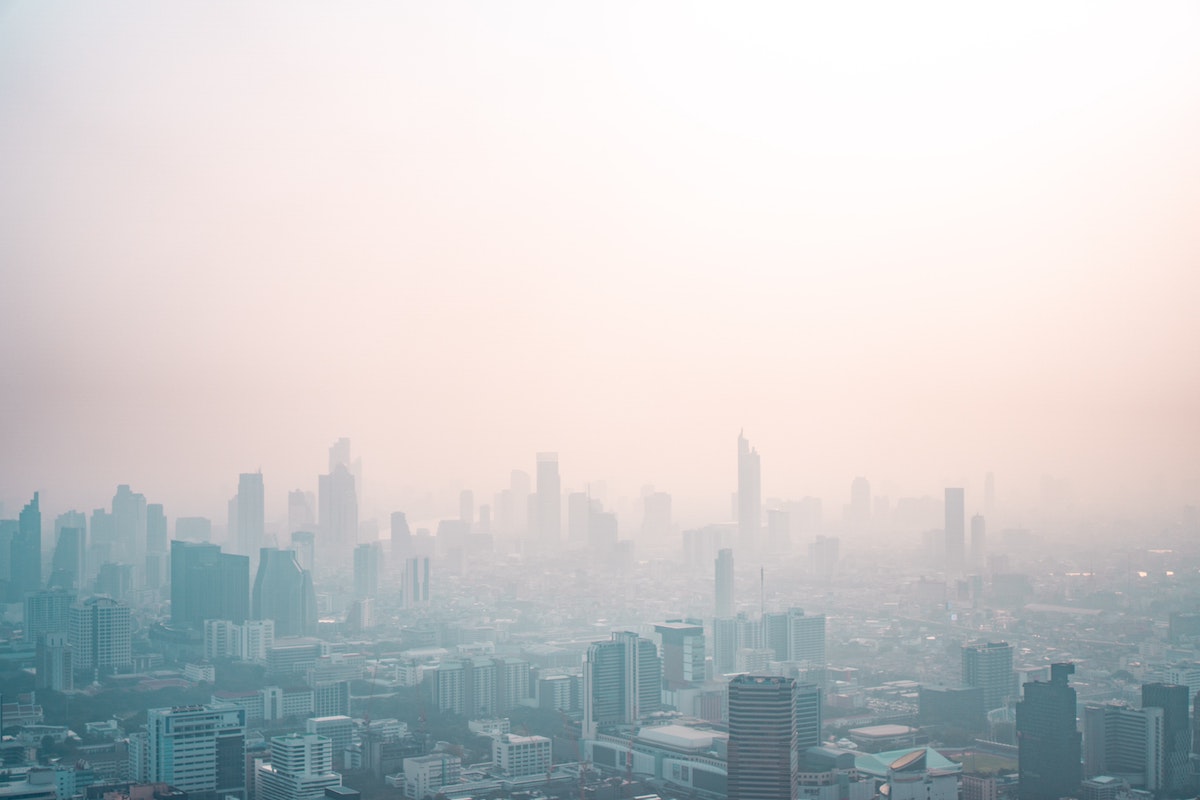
x: 129, y: 527
x: 401, y: 539
x: 207, y: 584
x: 978, y: 542
x: 622, y: 681
x: 416, y: 582
x: 749, y: 496
x: 724, y: 584
x: 1048, y: 745
x: 989, y: 666
x: 367, y: 558
x: 283, y: 592
x: 156, y: 546
x: 55, y: 663
x: 199, y: 749
x: 302, y: 511
x: 337, y: 504
x: 47, y: 612
x: 1177, y: 734
x: 251, y: 514
x: 339, y: 455
x: 1122, y: 740
x: 68, y: 567
x: 860, y: 504
x: 25, y: 552
x: 764, y: 748
x: 682, y: 653
x: 956, y: 523
x: 549, y: 499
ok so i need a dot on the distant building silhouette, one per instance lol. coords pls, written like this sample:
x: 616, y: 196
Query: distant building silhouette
x: 338, y: 507
x: 416, y: 582
x: 25, y: 552
x: 725, y: 605
x: 402, y: 544
x: 749, y: 496
x: 367, y: 561
x: 859, y: 515
x: 283, y: 592
x: 193, y: 529
x: 549, y: 499
x: 129, y: 524
x: 207, y: 584
x: 156, y: 546
x: 251, y: 514
x: 955, y: 529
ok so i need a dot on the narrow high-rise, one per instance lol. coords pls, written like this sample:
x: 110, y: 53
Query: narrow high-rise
x: 207, y: 584
x: 1177, y: 734
x: 251, y: 514
x: 337, y: 504
x: 1049, y: 747
x: 749, y: 496
x: 724, y: 584
x: 283, y: 592
x: 549, y: 499
x: 25, y: 552
x: 956, y: 523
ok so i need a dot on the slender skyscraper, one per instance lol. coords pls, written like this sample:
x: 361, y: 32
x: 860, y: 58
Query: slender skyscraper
x: 251, y: 514
x: 549, y: 499
x: 1177, y: 733
x: 367, y: 558
x: 402, y: 543
x: 129, y: 522
x: 724, y: 584
x: 956, y: 523
x: 338, y: 507
x: 302, y: 511
x: 156, y: 546
x: 25, y: 553
x: 749, y: 497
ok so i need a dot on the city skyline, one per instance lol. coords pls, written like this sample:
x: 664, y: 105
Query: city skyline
x: 915, y: 247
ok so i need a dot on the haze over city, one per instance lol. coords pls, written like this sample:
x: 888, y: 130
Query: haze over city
x: 913, y: 243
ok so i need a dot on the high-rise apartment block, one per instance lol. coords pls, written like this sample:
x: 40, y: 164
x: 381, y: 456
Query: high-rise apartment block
x: 622, y: 682
x: 100, y: 635
x: 199, y: 749
x: 989, y: 666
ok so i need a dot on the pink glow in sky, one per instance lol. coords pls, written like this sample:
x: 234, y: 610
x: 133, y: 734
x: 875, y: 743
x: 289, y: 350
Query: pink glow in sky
x: 912, y: 242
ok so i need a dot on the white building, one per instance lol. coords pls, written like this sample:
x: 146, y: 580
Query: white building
x: 199, y: 749
x: 301, y: 768
x: 519, y: 756
x: 425, y: 775
x: 101, y: 631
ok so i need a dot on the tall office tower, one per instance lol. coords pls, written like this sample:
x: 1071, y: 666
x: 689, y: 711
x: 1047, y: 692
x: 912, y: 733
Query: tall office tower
x: 860, y: 505
x: 304, y: 544
x: 102, y: 545
x: 156, y: 546
x: 338, y: 507
x: 682, y: 653
x: 301, y: 768
x: 989, y: 495
x: 776, y: 634
x: 1131, y: 742
x: 749, y: 496
x: 416, y: 582
x: 100, y: 635
x: 199, y: 749
x: 549, y: 499
x: 978, y: 542
x: 8, y: 530
x: 1048, y: 745
x: 55, y: 667
x: 466, y: 507
x: 402, y: 543
x: 115, y: 580
x: 68, y: 567
x: 602, y: 530
x: 579, y: 510
x: 808, y: 716
x: 339, y: 455
x: 367, y: 560
x: 251, y: 514
x: 956, y: 523
x: 779, y: 532
x: 47, y: 612
x: 25, y: 553
x: 989, y: 666
x: 283, y: 592
x: 129, y: 523
x: 731, y: 635
x: 656, y: 516
x: 207, y: 584
x: 302, y: 510
x: 622, y: 682
x: 512, y: 683
x: 724, y: 583
x: 823, y: 556
x: 193, y: 529
x: 806, y: 641
x: 1177, y: 733
x: 763, y: 760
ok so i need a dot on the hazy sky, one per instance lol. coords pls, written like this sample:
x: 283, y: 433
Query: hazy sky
x: 910, y: 241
